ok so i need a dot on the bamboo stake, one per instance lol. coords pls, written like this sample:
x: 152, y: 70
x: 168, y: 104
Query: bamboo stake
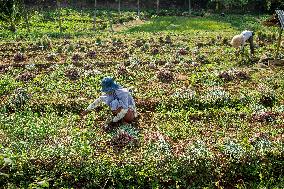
x: 279, y: 41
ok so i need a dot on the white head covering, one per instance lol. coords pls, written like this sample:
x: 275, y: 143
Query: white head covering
x: 247, y: 34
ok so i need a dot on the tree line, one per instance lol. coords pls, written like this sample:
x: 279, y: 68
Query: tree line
x: 216, y: 5
x: 12, y: 11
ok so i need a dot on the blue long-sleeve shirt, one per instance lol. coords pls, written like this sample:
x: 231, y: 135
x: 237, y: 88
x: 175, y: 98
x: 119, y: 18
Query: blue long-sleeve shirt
x: 120, y: 98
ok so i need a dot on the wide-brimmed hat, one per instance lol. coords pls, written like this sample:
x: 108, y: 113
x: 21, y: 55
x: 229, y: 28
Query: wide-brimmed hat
x: 109, y: 85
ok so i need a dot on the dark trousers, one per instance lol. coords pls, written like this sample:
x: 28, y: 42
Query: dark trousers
x: 251, y: 45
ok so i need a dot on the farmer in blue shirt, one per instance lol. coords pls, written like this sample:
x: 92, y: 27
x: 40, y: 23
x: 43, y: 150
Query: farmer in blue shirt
x: 118, y: 99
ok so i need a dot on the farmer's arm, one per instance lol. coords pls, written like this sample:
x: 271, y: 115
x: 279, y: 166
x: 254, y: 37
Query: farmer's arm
x: 123, y: 111
x: 94, y: 104
x: 91, y: 106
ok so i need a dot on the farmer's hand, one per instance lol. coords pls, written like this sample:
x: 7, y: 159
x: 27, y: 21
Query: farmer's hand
x: 83, y: 113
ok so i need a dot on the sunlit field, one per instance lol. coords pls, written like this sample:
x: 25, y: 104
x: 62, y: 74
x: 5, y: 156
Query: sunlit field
x: 208, y: 117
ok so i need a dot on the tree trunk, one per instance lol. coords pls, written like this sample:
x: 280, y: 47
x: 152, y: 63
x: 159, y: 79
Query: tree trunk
x: 59, y: 16
x: 109, y: 17
x: 157, y: 6
x: 138, y: 8
x: 26, y: 18
x: 119, y: 6
x: 217, y: 6
x: 189, y: 7
x: 95, y: 16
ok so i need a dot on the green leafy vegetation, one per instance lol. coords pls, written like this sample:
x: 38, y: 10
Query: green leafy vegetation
x: 208, y: 118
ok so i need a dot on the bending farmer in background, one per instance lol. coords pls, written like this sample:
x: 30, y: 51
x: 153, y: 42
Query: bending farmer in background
x: 118, y: 99
x: 240, y: 40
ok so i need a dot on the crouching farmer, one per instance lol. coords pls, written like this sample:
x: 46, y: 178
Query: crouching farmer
x: 118, y: 99
x: 240, y: 40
